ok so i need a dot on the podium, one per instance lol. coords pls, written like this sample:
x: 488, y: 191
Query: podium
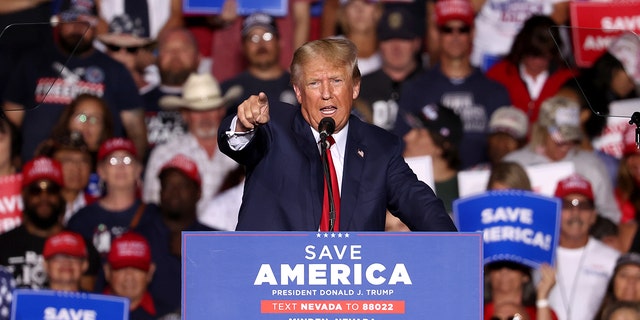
x: 335, y: 275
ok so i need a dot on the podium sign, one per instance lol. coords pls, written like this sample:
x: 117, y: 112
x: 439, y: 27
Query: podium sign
x: 357, y: 275
x: 520, y: 226
x: 48, y: 304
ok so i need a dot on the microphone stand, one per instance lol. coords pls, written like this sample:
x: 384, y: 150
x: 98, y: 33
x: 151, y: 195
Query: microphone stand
x: 635, y: 119
x: 324, y: 145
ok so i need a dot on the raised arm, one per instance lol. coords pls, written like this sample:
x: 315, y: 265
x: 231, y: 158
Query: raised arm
x: 252, y: 113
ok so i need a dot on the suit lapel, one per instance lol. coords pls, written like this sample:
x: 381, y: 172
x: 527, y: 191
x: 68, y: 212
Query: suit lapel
x: 354, y: 160
x: 306, y: 143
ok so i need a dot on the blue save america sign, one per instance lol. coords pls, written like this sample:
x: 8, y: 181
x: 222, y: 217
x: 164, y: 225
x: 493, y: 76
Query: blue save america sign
x: 59, y: 305
x: 520, y: 226
x: 245, y: 7
x: 338, y: 275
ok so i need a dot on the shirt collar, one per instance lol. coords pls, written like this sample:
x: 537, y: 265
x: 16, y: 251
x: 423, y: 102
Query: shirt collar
x: 146, y: 303
x: 340, y: 137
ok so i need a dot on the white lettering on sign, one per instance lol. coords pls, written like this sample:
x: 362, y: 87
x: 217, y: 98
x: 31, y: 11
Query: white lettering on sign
x: 10, y: 204
x: 333, y: 274
x: 597, y: 43
x: 507, y: 214
x: 52, y: 313
x: 516, y: 234
x: 335, y: 252
x: 621, y: 23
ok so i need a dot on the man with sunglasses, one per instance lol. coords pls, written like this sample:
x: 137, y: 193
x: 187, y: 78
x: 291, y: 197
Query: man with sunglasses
x: 584, y: 264
x: 44, y: 207
x: 456, y: 84
x: 261, y: 49
x: 126, y: 43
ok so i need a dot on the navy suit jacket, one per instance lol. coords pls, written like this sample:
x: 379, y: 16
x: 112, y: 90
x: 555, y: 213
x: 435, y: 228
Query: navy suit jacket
x: 284, y: 185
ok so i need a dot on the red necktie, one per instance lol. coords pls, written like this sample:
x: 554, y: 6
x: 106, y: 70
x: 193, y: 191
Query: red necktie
x: 324, y: 221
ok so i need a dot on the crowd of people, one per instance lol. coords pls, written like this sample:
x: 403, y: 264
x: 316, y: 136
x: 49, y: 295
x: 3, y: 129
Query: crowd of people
x: 126, y: 123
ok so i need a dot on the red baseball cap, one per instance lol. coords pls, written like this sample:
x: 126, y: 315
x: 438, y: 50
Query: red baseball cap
x: 447, y: 10
x: 130, y: 250
x: 574, y: 183
x: 67, y: 243
x: 116, y: 144
x: 42, y: 168
x: 185, y: 165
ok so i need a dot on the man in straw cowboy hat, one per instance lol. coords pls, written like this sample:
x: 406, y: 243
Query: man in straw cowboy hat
x: 202, y: 107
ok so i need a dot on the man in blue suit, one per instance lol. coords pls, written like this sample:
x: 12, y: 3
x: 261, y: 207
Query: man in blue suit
x: 278, y: 144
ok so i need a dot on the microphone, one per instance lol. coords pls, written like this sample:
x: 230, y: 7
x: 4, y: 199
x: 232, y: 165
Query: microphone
x: 326, y: 127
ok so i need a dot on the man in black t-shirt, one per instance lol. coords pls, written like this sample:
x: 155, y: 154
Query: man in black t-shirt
x: 399, y: 47
x: 21, y: 248
x: 178, y: 57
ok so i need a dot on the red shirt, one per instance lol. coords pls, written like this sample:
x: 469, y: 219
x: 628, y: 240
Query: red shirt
x: 508, y: 75
x: 531, y: 310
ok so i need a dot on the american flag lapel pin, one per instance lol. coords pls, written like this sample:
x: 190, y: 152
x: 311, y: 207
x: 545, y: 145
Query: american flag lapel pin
x: 361, y: 153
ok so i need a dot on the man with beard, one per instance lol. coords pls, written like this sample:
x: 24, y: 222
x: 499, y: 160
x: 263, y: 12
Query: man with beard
x: 51, y: 77
x: 179, y: 194
x: 178, y: 57
x: 202, y: 107
x: 260, y: 46
x: 44, y: 206
x: 584, y: 264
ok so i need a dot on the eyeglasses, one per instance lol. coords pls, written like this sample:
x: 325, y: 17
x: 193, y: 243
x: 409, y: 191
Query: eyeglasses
x: 575, y: 203
x: 256, y: 38
x: 115, y: 48
x: 36, y: 189
x: 84, y: 118
x: 126, y: 160
x: 450, y: 30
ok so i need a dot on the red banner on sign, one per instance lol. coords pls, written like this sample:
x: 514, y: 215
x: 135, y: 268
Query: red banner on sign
x: 595, y: 24
x: 333, y: 306
x: 10, y: 202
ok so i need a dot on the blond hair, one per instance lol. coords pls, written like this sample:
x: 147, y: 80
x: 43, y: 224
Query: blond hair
x: 339, y: 52
x: 510, y: 174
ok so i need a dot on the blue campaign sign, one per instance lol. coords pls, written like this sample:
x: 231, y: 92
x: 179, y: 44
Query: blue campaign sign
x: 54, y: 305
x: 517, y: 225
x: 245, y: 7
x: 356, y: 275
